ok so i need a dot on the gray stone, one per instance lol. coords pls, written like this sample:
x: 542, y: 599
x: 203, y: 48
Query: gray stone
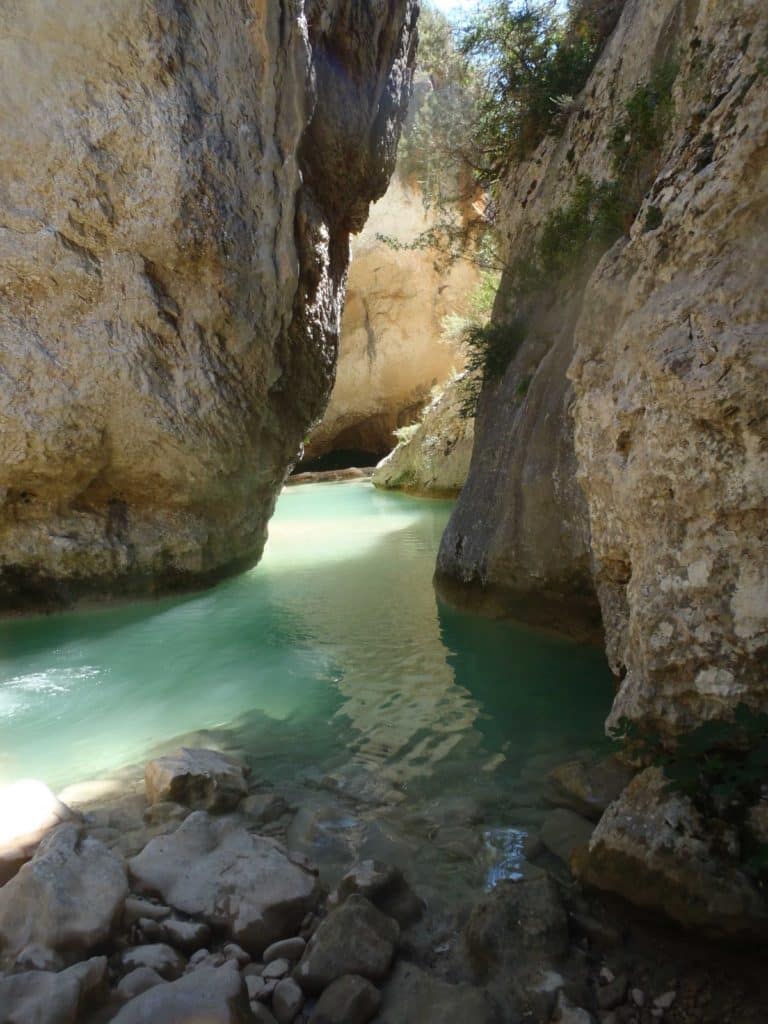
x: 287, y: 1000
x: 255, y: 985
x: 186, y: 935
x: 385, y: 886
x: 564, y: 832
x: 414, y: 997
x: 139, y: 980
x: 136, y: 907
x: 68, y: 898
x: 213, y: 995
x: 234, y: 952
x: 196, y: 777
x: 245, y: 885
x: 613, y: 993
x: 588, y: 789
x: 45, y: 997
x: 356, y: 938
x: 276, y: 969
x: 289, y: 949
x: 261, y: 1015
x: 160, y: 957
x: 147, y: 930
x: 348, y: 1000
x: 264, y: 808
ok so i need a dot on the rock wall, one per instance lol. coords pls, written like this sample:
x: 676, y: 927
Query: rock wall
x: 658, y: 365
x: 179, y: 183
x: 392, y: 350
x: 434, y: 461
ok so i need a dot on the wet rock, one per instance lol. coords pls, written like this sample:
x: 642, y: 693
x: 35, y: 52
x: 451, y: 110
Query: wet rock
x: 199, y: 778
x: 563, y: 833
x: 287, y: 1000
x: 385, y: 886
x: 139, y: 980
x: 243, y: 884
x: 348, y: 1000
x: 68, y: 898
x: 288, y: 949
x: 158, y: 956
x: 186, y: 935
x: 654, y: 849
x: 517, y: 923
x: 45, y: 997
x: 212, y: 995
x: 165, y: 811
x: 28, y: 812
x: 588, y: 789
x: 356, y: 938
x: 264, y: 808
x: 414, y: 997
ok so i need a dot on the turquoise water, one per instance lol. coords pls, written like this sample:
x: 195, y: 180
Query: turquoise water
x: 332, y: 656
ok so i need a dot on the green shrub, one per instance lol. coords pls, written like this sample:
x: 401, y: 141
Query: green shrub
x: 490, y: 347
x: 638, y: 136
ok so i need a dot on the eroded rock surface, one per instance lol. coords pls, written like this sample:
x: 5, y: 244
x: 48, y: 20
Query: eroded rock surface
x: 181, y: 183
x: 200, y: 778
x: 244, y: 884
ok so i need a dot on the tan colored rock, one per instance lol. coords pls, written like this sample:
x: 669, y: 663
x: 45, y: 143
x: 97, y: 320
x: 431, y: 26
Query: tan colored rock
x: 45, y: 997
x: 67, y: 899
x: 199, y: 778
x: 434, y: 461
x: 587, y: 788
x: 179, y: 189
x: 654, y: 849
x: 671, y: 387
x: 209, y: 995
x: 392, y: 351
x: 245, y: 885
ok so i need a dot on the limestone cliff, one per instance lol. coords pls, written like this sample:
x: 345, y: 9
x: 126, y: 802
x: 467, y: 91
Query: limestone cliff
x: 658, y: 364
x: 433, y: 461
x: 178, y: 184
x: 392, y: 350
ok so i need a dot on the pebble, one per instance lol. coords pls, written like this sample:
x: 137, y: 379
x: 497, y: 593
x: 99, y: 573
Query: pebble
x: 287, y: 1000
x: 609, y: 996
x: 638, y: 996
x: 136, y: 908
x: 276, y: 970
x: 285, y: 949
x: 198, y: 957
x: 607, y: 974
x: 234, y: 952
x: 665, y: 1000
x: 186, y: 935
x: 255, y: 986
x: 138, y: 981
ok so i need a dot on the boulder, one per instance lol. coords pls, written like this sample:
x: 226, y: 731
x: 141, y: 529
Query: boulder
x: 287, y: 1000
x: 653, y: 848
x: 196, y: 777
x: 588, y: 789
x: 564, y: 832
x: 385, y: 886
x: 45, y: 997
x: 414, y: 997
x: 28, y: 812
x: 68, y: 898
x: 356, y: 938
x: 285, y: 949
x: 242, y: 884
x: 517, y: 924
x: 348, y: 1000
x: 206, y: 996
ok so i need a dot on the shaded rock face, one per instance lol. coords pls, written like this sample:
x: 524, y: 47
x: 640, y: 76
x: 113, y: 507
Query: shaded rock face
x: 392, y: 351
x: 180, y: 185
x: 633, y: 466
x: 434, y: 462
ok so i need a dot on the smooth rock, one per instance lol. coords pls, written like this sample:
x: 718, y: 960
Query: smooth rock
x: 385, y: 886
x: 588, y: 789
x: 139, y: 980
x: 44, y: 997
x: 136, y: 908
x: 234, y: 952
x: 289, y: 949
x: 68, y: 898
x: 348, y: 1000
x: 564, y: 832
x: 243, y: 884
x: 665, y: 1000
x: 261, y: 1015
x: 186, y: 935
x: 264, y: 808
x: 287, y: 1000
x: 160, y: 957
x: 255, y: 986
x: 209, y: 995
x: 414, y: 997
x: 276, y: 969
x: 199, y: 778
x: 356, y: 938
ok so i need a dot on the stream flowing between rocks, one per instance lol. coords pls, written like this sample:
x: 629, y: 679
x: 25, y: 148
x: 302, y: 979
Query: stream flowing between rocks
x: 391, y: 726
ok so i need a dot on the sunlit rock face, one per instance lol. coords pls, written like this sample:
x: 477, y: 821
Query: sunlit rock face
x: 623, y: 454
x: 179, y: 184
x: 393, y: 351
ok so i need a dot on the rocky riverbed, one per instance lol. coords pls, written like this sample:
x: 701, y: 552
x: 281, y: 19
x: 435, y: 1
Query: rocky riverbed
x: 199, y: 892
